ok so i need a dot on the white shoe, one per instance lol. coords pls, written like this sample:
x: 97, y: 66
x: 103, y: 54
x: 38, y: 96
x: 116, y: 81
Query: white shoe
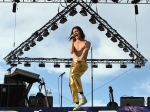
x: 82, y: 100
x: 77, y: 108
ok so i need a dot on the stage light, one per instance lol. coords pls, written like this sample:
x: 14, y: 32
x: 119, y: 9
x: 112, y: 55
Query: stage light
x: 101, y: 27
x: 108, y: 65
x: 67, y: 65
x: 14, y: 7
x: 73, y: 12
x: 40, y: 38
x: 20, y: 52
x: 142, y: 63
x: 32, y: 44
x: 135, y: 1
x: 94, y: 65
x: 131, y: 55
x: 27, y: 64
x: 120, y: 45
x: 63, y: 19
x: 125, y: 49
x: 13, y: 64
x: 46, y: 33
x: 92, y: 20
x: 95, y: 1
x: 54, y: 27
x: 108, y: 34
x: 8, y: 62
x: 115, y: 1
x: 56, y: 65
x: 137, y: 66
x: 42, y: 64
x: 14, y: 57
x: 114, y: 39
x: 17, y: 1
x: 83, y: 12
x: 123, y: 65
x: 26, y: 48
x: 69, y: 1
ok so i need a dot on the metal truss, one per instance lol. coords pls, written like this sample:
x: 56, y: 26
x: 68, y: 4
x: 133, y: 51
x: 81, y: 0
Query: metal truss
x: 60, y: 15
x: 87, y: 1
x: 69, y: 60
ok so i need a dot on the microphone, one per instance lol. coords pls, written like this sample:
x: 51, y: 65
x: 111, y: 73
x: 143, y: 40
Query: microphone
x: 62, y: 74
x: 73, y: 36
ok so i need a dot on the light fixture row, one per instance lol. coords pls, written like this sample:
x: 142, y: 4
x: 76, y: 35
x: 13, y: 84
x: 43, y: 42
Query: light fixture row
x: 94, y: 65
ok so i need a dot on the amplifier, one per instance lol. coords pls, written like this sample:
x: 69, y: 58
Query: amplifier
x: 132, y: 101
x: 148, y: 101
x: 8, y: 79
x: 11, y: 95
x: 34, y: 101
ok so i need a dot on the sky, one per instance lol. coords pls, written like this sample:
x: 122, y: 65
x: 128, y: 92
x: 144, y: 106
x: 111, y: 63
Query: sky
x: 126, y: 82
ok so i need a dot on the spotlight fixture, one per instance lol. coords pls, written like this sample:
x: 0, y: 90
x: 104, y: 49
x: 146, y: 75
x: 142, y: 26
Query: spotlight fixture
x: 94, y: 65
x: 108, y: 34
x: 32, y: 44
x: 131, y: 55
x: 26, y: 48
x: 8, y: 62
x: 114, y: 39
x: 135, y: 1
x: 36, y: 34
x: 40, y: 38
x: 95, y: 1
x: 115, y: 1
x: 56, y: 65
x: 27, y: 64
x: 67, y: 65
x: 69, y: 1
x: 123, y: 65
x: 17, y: 1
x: 108, y: 65
x: 63, y: 19
x: 20, y: 53
x: 142, y: 63
x: 101, y: 27
x: 42, y: 64
x: 73, y: 12
x: 125, y: 49
x: 120, y: 45
x: 14, y: 7
x: 54, y: 27
x: 14, y: 57
x: 46, y: 33
x: 92, y: 20
x: 137, y: 66
x: 13, y: 64
x: 83, y: 12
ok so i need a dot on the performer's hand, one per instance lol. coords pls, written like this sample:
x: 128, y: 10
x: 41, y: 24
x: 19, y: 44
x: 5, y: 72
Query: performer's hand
x: 72, y: 36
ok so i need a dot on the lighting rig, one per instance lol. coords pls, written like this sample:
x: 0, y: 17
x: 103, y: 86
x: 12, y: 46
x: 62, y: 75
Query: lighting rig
x: 95, y: 19
x: 87, y: 1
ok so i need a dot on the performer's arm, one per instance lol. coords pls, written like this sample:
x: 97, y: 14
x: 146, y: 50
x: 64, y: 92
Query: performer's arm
x: 85, y: 51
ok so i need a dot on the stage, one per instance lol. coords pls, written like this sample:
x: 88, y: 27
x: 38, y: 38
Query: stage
x: 69, y: 109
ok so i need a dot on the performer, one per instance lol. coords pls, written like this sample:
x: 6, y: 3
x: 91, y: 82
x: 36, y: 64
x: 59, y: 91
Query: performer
x: 79, y: 47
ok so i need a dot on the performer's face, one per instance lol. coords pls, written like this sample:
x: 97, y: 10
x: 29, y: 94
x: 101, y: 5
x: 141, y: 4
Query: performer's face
x: 77, y: 33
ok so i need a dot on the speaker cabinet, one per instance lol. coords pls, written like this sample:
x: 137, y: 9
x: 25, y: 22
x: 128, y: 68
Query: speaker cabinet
x: 132, y: 101
x: 34, y: 101
x: 11, y: 95
x: 148, y: 101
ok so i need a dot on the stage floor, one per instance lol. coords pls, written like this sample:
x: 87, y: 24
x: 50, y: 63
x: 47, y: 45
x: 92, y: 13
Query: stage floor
x: 69, y: 109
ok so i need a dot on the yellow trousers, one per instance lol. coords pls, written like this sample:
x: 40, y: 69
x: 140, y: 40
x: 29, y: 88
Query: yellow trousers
x: 76, y: 71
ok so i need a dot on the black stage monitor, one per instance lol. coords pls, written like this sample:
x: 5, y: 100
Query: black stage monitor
x: 132, y: 101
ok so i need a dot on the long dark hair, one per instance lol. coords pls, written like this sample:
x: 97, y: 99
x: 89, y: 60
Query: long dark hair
x: 80, y: 30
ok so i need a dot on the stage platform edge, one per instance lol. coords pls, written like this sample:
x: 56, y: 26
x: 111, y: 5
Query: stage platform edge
x: 70, y: 109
